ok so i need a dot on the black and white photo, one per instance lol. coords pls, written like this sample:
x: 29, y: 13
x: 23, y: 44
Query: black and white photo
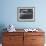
x: 25, y: 14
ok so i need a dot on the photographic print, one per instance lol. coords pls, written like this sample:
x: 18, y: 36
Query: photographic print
x: 26, y: 14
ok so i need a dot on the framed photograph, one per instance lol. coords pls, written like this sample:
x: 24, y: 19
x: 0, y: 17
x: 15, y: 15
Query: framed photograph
x: 26, y: 14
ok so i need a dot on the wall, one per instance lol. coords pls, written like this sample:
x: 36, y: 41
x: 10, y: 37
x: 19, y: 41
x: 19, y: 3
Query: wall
x: 9, y: 13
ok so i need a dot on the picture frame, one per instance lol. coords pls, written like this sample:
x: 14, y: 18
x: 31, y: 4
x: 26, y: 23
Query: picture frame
x: 26, y: 14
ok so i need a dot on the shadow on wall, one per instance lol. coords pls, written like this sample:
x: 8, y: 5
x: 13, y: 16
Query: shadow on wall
x: 2, y: 26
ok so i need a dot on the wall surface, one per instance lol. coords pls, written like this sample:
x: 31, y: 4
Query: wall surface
x: 9, y: 13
